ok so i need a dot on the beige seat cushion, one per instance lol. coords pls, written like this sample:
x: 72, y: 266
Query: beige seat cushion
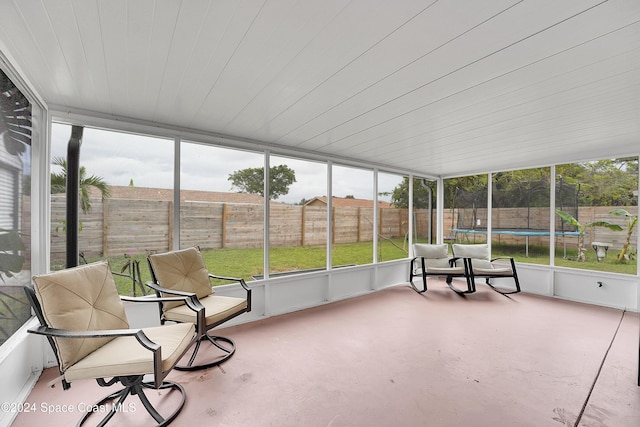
x: 182, y: 270
x: 126, y: 356
x: 81, y: 298
x: 216, y: 308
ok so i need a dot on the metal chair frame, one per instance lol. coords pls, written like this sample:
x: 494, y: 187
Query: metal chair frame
x: 133, y: 384
x: 224, y: 344
x: 424, y: 273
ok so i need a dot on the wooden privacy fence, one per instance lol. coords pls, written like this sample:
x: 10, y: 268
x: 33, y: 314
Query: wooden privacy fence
x: 538, y: 219
x: 135, y: 226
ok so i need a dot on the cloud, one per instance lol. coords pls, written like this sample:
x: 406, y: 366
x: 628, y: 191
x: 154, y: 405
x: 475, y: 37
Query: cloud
x: 121, y: 157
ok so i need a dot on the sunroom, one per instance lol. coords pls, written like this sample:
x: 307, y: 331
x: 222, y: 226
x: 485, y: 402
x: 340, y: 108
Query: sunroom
x: 370, y: 127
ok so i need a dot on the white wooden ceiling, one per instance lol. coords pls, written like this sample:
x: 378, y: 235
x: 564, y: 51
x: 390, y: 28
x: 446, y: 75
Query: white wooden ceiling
x: 439, y: 87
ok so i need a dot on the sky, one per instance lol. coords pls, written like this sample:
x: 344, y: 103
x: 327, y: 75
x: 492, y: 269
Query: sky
x: 120, y: 158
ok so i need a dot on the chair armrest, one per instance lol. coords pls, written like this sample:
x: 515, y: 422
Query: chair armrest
x: 193, y: 301
x: 190, y: 300
x: 139, y: 334
x: 216, y: 276
x: 238, y: 280
x: 452, y: 260
x: 188, y: 296
x: 512, y: 262
x: 65, y: 333
x: 159, y: 288
x: 154, y: 299
x: 502, y: 257
x: 230, y: 279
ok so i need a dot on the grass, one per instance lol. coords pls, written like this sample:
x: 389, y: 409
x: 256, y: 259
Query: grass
x: 14, y: 310
x: 248, y: 262
x: 540, y: 255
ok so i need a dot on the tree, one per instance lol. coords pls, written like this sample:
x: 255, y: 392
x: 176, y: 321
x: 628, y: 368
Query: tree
x: 251, y: 180
x: 582, y: 229
x: 609, y: 182
x: 603, y: 182
x: 632, y: 221
x: 15, y: 117
x: 521, y: 188
x: 59, y: 184
x: 421, y: 194
x: 466, y: 192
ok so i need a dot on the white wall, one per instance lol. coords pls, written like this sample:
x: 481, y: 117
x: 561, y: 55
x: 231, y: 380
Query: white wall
x: 21, y: 360
x: 617, y: 290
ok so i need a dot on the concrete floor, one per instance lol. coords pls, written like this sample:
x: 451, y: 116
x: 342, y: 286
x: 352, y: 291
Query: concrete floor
x: 397, y: 358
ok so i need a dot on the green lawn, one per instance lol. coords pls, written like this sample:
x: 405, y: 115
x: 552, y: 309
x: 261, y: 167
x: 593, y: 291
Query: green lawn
x: 540, y: 255
x: 14, y: 310
x: 248, y: 262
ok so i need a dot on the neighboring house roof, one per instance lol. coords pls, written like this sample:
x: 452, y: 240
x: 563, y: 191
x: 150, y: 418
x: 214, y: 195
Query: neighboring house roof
x: 348, y: 202
x: 126, y: 192
x: 146, y: 193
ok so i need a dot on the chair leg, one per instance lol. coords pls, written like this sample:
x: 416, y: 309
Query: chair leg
x: 504, y: 292
x: 515, y: 275
x: 471, y: 288
x: 133, y: 385
x: 152, y: 411
x: 227, y: 351
x: 424, y: 284
x: 420, y: 291
x: 515, y: 278
x: 412, y: 275
x: 471, y: 283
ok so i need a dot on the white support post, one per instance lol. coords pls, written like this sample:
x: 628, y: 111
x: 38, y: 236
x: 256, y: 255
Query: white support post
x: 176, y: 193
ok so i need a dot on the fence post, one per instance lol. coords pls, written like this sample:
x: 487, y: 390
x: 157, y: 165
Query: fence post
x: 303, y: 225
x: 223, y: 223
x: 105, y: 228
x: 333, y: 224
x: 170, y: 231
x: 359, y: 224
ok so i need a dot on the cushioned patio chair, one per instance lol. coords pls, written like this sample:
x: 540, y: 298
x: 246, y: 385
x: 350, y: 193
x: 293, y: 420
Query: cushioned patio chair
x: 477, y: 261
x: 83, y: 317
x: 433, y: 260
x: 183, y: 272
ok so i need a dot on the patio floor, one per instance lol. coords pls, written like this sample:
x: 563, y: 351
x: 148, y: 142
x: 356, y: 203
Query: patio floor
x: 395, y: 357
